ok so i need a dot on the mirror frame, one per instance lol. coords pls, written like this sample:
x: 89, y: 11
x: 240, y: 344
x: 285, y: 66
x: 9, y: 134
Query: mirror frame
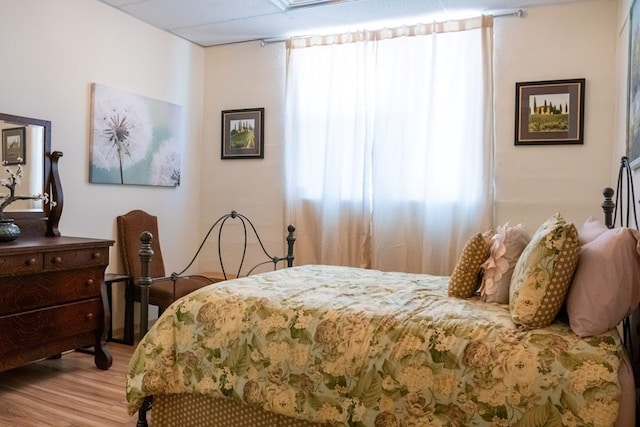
x: 46, y: 222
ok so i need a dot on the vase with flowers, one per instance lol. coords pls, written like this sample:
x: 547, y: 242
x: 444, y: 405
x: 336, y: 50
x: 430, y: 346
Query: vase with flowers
x: 8, y: 229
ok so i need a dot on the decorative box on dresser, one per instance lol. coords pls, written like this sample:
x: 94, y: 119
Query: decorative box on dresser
x: 52, y: 290
x: 52, y: 298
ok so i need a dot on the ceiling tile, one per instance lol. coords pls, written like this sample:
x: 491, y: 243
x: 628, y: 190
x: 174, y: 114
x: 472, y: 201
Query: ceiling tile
x: 213, y: 22
x: 170, y: 14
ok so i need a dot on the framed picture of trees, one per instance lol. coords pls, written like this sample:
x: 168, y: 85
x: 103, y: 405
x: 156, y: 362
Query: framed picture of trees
x: 242, y: 134
x: 550, y: 112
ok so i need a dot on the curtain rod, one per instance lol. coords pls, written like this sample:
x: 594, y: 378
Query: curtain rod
x: 516, y: 13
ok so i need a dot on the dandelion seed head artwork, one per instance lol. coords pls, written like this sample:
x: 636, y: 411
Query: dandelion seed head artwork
x: 134, y: 139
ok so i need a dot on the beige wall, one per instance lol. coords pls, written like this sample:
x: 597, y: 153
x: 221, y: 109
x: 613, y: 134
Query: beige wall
x: 558, y: 42
x: 245, y: 75
x: 561, y: 42
x: 51, y: 53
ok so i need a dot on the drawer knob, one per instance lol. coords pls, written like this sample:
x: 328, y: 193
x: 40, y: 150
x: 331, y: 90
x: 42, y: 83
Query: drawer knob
x: 90, y: 282
x: 57, y: 260
x: 96, y: 255
x: 89, y: 316
x: 32, y: 261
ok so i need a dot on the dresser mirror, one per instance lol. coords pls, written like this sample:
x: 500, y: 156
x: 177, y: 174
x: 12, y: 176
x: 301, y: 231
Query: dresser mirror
x: 23, y: 143
x: 26, y: 141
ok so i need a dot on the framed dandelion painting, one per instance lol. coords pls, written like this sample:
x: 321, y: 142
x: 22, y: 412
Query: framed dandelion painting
x: 134, y: 139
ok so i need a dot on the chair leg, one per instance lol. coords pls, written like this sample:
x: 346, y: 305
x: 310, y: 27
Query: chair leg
x: 128, y: 314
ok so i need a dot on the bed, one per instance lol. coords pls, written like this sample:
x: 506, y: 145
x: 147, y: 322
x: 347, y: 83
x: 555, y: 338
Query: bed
x: 341, y: 346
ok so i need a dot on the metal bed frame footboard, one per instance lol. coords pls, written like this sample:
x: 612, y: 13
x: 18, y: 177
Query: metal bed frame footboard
x: 146, y: 254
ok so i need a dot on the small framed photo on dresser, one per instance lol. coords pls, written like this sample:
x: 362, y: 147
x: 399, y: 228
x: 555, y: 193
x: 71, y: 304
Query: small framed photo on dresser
x: 13, y: 146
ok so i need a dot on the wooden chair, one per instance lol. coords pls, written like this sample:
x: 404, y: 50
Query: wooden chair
x: 164, y: 290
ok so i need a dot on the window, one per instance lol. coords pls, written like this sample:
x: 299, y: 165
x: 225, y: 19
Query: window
x: 398, y: 128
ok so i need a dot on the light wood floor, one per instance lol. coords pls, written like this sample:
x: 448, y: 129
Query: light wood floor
x: 69, y: 391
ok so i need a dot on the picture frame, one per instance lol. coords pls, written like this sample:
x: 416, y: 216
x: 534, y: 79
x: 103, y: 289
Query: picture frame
x: 243, y: 134
x: 550, y: 112
x: 633, y: 84
x: 134, y: 139
x: 14, y: 147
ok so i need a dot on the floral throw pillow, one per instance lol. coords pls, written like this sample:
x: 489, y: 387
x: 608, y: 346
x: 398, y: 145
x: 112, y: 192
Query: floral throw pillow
x: 543, y: 274
x: 465, y: 278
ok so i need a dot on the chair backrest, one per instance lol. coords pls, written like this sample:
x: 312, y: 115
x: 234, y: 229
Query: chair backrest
x: 130, y: 226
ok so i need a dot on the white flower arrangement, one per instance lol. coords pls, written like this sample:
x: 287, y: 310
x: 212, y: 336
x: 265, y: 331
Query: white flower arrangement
x: 11, y: 182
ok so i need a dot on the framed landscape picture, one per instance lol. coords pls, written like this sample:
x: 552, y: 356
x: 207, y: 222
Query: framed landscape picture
x: 550, y: 112
x: 243, y: 134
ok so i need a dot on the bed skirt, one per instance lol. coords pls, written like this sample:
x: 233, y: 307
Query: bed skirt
x: 196, y: 410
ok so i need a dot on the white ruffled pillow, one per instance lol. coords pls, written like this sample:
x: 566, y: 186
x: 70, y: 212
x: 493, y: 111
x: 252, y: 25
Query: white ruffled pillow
x: 504, y: 250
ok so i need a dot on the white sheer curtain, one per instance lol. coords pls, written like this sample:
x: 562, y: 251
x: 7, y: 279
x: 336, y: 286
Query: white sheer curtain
x: 389, y: 144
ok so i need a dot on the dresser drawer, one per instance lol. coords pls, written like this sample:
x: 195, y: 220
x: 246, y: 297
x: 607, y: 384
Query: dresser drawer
x: 64, y: 260
x: 22, y: 293
x: 41, y: 326
x: 11, y: 265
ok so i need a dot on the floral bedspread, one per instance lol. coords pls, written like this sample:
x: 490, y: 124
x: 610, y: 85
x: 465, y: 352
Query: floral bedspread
x: 355, y: 347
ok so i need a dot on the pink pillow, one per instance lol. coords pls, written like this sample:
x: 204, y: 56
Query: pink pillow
x: 591, y: 229
x: 605, y: 287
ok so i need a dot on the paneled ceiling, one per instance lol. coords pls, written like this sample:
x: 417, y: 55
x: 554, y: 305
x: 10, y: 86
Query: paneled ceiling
x: 215, y: 22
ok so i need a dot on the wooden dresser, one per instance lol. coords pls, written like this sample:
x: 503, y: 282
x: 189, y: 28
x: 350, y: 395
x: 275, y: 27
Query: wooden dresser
x: 52, y: 298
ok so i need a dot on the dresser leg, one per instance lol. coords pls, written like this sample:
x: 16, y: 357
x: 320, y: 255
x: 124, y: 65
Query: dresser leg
x: 103, y: 357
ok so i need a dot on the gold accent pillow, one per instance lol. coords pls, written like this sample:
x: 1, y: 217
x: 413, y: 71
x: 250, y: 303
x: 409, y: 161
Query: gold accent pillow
x: 466, y: 276
x: 543, y: 273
